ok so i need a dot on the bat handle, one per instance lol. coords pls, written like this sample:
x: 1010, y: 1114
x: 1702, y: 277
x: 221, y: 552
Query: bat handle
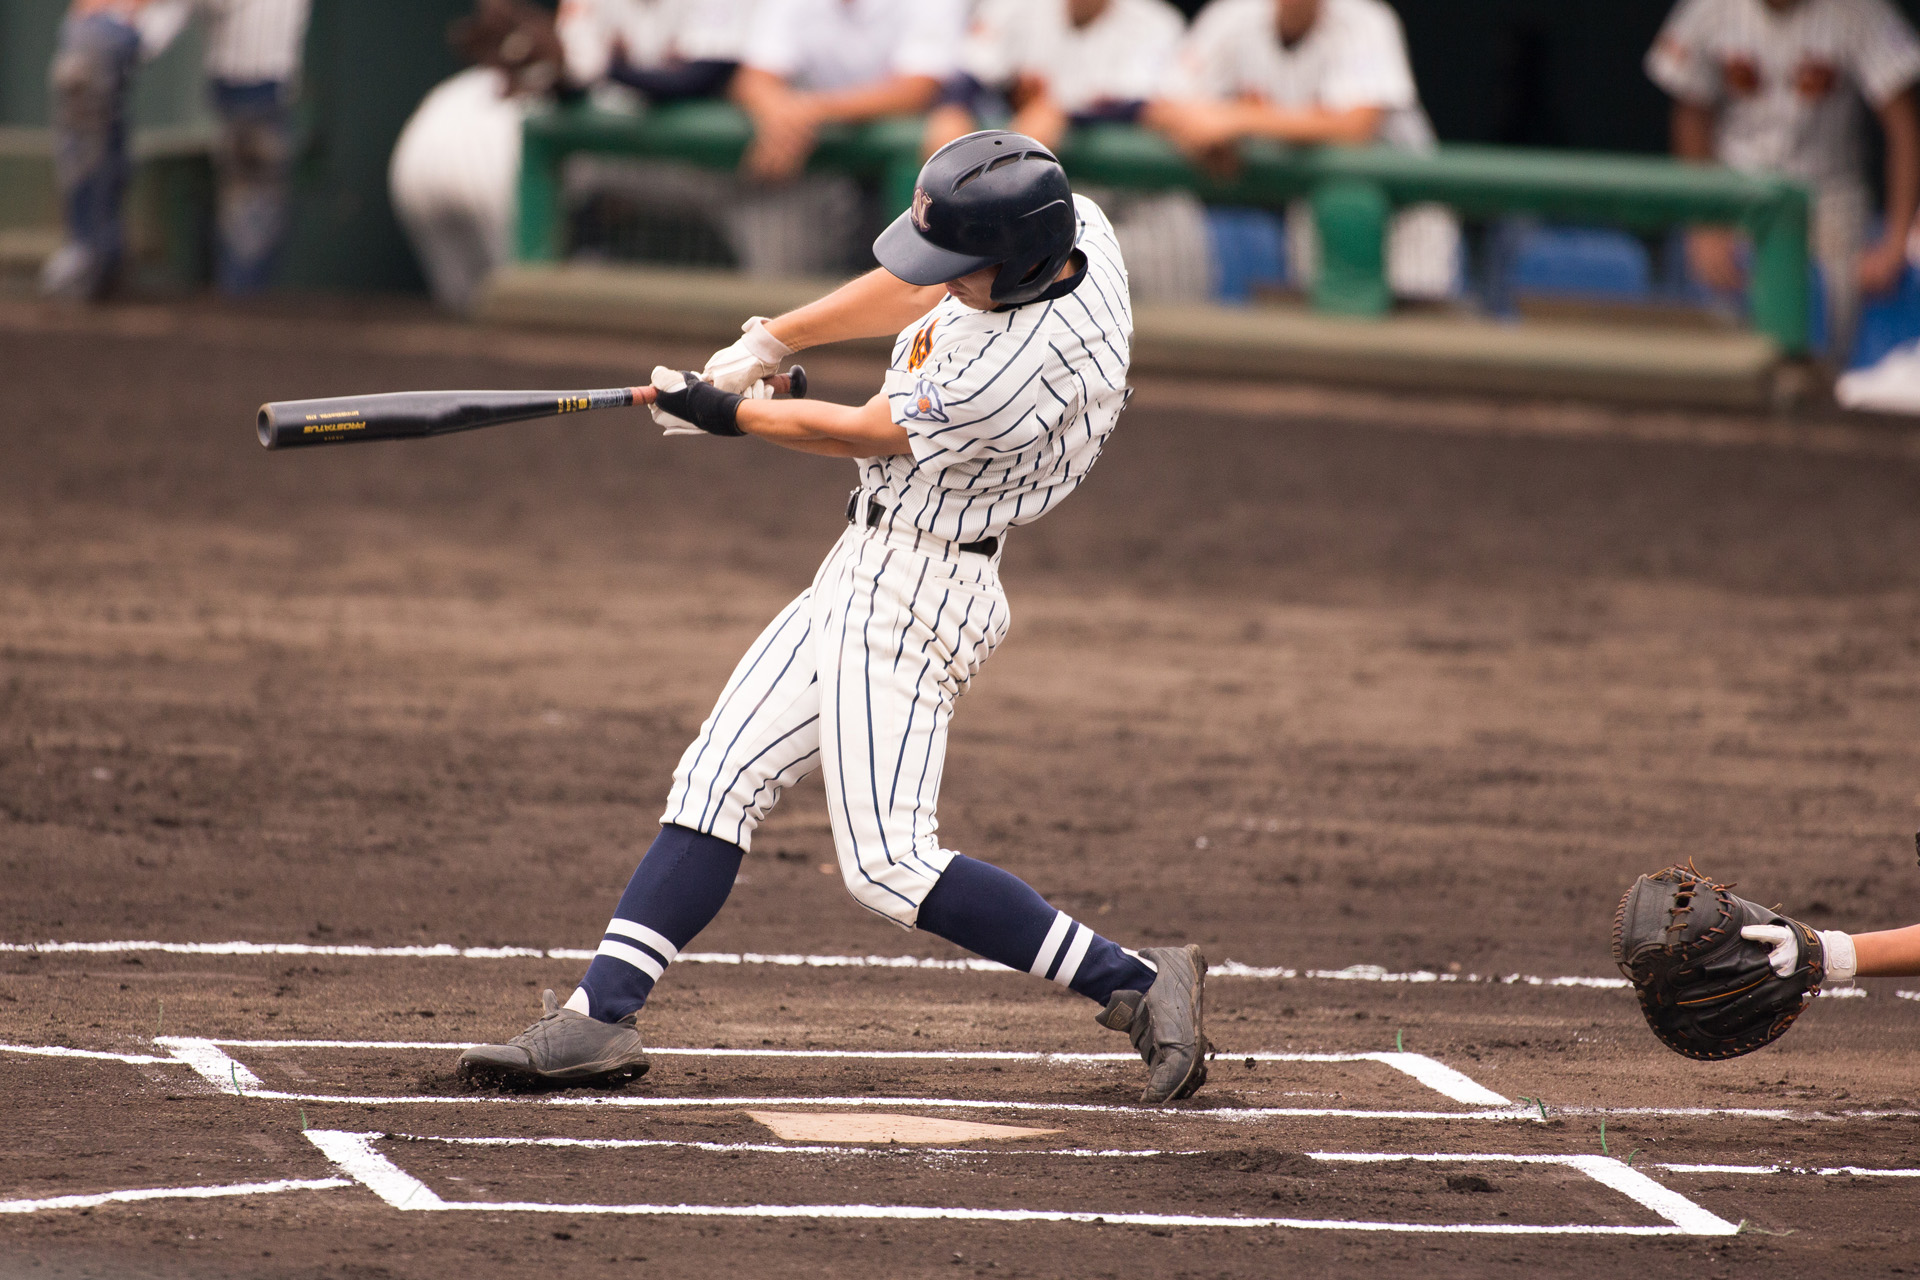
x: 792, y: 383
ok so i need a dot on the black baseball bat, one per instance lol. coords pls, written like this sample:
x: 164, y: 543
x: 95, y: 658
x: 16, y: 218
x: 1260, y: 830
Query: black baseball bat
x: 402, y: 415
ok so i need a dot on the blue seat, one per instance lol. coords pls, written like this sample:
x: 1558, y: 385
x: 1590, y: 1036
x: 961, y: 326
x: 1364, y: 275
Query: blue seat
x: 1249, y: 250
x: 1580, y: 262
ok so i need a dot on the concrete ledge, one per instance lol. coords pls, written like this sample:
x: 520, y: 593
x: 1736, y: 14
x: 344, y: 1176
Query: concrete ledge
x: 1732, y: 369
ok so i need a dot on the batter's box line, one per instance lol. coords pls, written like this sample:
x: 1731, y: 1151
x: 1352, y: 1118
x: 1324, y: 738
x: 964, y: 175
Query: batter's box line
x: 1434, y: 1074
x: 353, y: 1154
x: 447, y: 951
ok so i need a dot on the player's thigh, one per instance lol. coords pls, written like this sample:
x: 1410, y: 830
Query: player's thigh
x: 898, y: 641
x: 762, y: 735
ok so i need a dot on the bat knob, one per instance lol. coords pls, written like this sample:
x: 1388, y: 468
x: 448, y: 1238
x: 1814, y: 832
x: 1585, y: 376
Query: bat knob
x: 797, y: 383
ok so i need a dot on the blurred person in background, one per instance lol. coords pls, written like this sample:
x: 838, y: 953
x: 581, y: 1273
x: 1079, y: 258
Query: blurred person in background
x: 1310, y: 72
x: 809, y: 63
x: 252, y: 64
x: 454, y: 174
x: 1774, y: 86
x: 1040, y: 67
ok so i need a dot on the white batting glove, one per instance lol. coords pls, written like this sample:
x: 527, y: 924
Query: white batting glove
x: 757, y: 354
x: 1842, y: 962
x: 665, y: 379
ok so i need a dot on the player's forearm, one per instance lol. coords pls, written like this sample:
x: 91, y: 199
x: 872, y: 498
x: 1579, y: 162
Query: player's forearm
x: 1354, y: 126
x: 1893, y: 953
x: 1900, y: 123
x: 1691, y: 130
x: 820, y: 427
x: 896, y: 96
x: 875, y: 305
x: 757, y: 90
x: 1042, y: 119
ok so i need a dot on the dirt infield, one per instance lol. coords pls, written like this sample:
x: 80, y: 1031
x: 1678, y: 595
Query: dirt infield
x: 1383, y: 701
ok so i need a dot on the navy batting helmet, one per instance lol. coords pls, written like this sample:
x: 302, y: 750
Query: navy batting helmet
x: 989, y: 199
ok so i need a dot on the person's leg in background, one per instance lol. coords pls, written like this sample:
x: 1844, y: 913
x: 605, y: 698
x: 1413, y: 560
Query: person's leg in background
x: 1838, y: 234
x: 90, y: 78
x: 253, y: 166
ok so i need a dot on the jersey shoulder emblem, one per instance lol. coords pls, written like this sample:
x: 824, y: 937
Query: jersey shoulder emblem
x: 926, y: 406
x: 922, y: 347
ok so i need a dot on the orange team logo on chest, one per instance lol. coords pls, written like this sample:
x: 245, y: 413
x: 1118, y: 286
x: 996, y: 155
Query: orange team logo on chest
x: 922, y: 347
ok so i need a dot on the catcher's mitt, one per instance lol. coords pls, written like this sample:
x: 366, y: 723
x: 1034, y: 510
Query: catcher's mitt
x: 1707, y: 992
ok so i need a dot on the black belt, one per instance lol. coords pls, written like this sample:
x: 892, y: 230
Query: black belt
x: 876, y: 513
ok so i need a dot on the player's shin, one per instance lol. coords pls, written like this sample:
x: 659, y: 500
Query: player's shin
x: 678, y: 888
x: 996, y: 914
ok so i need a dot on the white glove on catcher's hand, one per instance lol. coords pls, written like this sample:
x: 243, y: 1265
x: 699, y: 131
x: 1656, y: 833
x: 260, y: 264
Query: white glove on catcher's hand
x: 757, y: 354
x: 1842, y: 963
x: 666, y: 379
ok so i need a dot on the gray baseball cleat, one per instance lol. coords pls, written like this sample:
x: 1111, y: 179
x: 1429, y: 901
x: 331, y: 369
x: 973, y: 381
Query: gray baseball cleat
x: 564, y: 1047
x: 1167, y: 1023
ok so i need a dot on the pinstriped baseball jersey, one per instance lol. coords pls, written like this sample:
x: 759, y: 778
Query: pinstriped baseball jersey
x: 1787, y: 85
x: 1006, y: 411
x: 858, y: 677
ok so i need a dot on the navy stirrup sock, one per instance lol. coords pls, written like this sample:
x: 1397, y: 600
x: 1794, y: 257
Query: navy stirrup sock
x: 676, y: 891
x: 996, y: 914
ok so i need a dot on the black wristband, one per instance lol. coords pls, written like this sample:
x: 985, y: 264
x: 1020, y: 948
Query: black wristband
x: 706, y: 406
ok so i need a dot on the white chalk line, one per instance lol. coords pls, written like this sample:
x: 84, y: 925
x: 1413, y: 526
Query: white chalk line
x: 889, y: 1148
x: 447, y: 951
x: 56, y: 1051
x: 1845, y: 1170
x: 223, y: 1072
x: 354, y: 1155
x: 229, y: 1076
x: 1430, y: 1072
x: 172, y: 1193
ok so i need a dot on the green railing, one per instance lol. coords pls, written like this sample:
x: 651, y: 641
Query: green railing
x: 1353, y: 190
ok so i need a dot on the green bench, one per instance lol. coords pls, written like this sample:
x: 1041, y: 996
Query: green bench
x: 1352, y: 190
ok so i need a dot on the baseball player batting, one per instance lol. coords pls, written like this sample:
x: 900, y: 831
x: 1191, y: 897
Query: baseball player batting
x: 1009, y: 372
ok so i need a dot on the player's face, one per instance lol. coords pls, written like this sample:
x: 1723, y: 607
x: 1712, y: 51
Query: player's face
x: 975, y: 290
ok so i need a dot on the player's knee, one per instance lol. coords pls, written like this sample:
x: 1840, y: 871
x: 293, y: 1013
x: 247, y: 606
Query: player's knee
x: 884, y: 893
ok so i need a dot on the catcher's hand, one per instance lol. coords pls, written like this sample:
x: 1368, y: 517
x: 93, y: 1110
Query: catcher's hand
x: 1710, y: 990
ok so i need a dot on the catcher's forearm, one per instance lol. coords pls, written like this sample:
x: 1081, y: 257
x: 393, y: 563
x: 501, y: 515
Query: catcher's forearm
x: 1891, y: 953
x: 878, y: 304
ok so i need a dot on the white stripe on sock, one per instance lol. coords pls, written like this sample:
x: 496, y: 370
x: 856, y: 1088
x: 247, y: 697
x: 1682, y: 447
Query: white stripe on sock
x: 1075, y: 954
x: 645, y: 937
x: 1050, y: 947
x: 633, y: 956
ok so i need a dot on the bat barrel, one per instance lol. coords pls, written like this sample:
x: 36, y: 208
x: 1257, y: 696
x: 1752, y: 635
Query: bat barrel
x: 292, y: 424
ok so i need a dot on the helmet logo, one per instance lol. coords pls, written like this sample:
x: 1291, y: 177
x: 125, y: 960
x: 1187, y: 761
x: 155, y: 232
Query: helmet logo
x: 921, y: 203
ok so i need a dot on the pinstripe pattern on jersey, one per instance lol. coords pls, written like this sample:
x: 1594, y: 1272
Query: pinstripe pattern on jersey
x: 858, y: 676
x: 1029, y: 396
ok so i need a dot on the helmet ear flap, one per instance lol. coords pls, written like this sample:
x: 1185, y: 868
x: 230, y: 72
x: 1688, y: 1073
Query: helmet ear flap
x: 1024, y: 278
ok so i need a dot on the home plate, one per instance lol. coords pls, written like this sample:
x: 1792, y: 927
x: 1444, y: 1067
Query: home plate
x: 868, y: 1126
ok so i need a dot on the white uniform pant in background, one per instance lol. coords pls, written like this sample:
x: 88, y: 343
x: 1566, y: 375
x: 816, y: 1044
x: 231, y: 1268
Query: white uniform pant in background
x: 455, y: 177
x: 1163, y: 240
x: 1423, y: 250
x: 858, y: 678
x: 1837, y: 237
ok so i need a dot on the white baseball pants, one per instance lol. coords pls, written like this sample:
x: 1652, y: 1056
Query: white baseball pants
x: 858, y: 678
